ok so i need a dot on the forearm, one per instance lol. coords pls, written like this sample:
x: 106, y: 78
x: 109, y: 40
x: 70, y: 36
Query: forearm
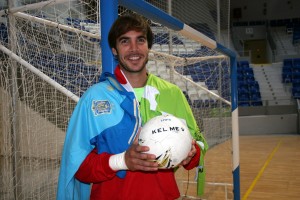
x: 195, y: 160
x: 95, y: 168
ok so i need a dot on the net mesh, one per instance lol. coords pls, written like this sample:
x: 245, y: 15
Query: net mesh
x: 60, y: 39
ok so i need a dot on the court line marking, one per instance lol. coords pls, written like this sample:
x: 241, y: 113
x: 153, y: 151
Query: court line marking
x: 261, y: 171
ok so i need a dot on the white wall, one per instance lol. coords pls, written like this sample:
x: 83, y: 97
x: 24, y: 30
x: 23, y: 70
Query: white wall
x: 268, y: 124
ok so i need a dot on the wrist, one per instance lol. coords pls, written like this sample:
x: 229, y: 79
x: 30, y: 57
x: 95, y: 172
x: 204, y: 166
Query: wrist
x: 117, y: 162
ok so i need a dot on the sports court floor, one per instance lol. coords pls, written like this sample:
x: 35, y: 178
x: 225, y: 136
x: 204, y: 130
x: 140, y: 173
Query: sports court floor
x: 269, y: 169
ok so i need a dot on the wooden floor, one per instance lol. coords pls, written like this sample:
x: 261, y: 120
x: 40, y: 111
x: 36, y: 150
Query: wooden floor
x: 269, y: 170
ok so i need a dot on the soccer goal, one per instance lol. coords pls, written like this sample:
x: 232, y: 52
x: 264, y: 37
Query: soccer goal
x: 50, y: 54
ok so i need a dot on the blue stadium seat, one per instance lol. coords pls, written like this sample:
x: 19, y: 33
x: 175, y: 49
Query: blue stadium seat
x: 286, y: 77
x: 244, y: 64
x: 296, y: 63
x: 296, y: 92
x: 255, y: 95
x: 243, y: 90
x: 240, y: 77
x: 288, y: 62
x: 287, y: 69
x: 253, y: 89
x: 243, y: 96
x: 211, y: 85
x: 296, y: 35
x: 197, y: 103
x: 243, y: 104
x: 3, y: 33
x: 250, y: 79
x: 240, y: 71
x: 296, y: 77
x: 248, y: 71
x: 256, y: 103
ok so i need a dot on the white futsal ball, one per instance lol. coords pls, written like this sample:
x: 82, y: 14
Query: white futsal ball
x: 168, y: 138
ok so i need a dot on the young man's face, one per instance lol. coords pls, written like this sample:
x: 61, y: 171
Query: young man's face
x: 132, y: 51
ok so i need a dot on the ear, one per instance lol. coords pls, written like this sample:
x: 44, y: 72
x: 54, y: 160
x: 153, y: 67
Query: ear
x: 114, y: 51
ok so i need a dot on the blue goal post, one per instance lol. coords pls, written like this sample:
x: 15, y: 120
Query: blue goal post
x: 109, y: 12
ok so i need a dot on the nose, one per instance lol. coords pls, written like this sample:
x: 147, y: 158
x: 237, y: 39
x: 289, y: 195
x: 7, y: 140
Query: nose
x: 133, y: 46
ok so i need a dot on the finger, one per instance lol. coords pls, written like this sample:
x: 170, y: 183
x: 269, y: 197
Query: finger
x: 142, y: 149
x: 186, y: 161
x: 141, y: 153
x: 142, y: 162
x: 148, y: 163
x: 193, y: 151
x: 193, y: 142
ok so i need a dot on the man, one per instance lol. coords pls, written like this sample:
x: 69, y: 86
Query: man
x: 101, y: 143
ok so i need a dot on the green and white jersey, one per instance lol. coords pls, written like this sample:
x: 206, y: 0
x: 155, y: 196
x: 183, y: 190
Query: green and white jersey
x: 162, y: 97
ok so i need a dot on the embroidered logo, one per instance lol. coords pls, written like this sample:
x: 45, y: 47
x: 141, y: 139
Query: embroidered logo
x: 101, y: 107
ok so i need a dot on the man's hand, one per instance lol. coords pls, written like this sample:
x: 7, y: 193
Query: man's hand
x: 191, y: 154
x: 136, y: 159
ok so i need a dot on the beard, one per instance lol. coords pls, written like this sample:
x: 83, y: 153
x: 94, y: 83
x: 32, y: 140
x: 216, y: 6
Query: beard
x: 125, y: 67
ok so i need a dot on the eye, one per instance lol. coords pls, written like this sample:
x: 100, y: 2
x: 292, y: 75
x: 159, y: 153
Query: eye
x: 141, y: 40
x: 124, y: 41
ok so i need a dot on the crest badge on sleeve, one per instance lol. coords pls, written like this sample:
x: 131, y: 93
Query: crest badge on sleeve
x: 100, y: 107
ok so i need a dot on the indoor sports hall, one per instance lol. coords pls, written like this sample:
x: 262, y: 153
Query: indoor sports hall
x: 237, y: 63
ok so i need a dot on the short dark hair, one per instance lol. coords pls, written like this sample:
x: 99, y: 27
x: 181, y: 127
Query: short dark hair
x: 132, y: 22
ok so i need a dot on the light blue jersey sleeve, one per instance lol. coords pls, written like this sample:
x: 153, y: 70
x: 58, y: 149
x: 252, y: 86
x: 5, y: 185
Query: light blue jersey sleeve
x: 91, y: 116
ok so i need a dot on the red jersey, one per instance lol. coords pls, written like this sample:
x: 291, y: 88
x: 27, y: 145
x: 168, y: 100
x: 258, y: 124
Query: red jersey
x: 136, y: 185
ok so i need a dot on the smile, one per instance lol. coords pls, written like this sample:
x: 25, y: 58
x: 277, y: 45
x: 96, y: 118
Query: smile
x: 134, y: 57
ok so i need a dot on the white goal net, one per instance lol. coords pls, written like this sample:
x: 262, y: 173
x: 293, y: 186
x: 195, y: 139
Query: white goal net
x: 50, y: 54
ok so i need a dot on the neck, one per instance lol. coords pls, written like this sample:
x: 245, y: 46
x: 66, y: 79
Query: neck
x: 137, y: 79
